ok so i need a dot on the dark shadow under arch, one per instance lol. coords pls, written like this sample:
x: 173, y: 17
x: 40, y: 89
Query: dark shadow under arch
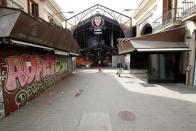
x: 147, y: 29
x: 98, y: 47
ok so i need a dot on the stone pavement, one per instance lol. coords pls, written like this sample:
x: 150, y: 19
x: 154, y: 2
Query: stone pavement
x: 92, y: 101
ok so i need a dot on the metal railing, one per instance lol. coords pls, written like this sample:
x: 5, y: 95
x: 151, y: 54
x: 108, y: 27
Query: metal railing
x: 189, y: 7
x: 168, y: 18
x: 13, y: 4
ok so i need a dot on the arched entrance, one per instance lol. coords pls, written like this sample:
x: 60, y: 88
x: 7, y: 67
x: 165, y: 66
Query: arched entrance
x: 97, y: 37
x: 97, y: 29
x: 147, y: 29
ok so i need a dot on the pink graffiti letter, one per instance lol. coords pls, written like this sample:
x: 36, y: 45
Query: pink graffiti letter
x: 46, y: 66
x: 29, y: 64
x: 15, y: 73
x: 38, y: 68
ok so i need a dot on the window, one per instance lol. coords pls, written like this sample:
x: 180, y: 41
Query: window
x: 167, y: 6
x: 33, y: 8
x: 3, y: 3
x: 170, y: 3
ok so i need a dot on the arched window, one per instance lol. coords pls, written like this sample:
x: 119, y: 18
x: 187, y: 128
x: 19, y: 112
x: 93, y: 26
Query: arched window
x: 147, y: 29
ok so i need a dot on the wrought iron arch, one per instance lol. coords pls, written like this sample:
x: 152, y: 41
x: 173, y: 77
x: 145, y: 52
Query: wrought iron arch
x: 124, y: 21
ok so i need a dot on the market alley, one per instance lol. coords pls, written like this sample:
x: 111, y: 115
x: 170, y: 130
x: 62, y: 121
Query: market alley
x: 91, y: 101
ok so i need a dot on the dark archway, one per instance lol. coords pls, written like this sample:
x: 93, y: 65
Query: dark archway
x: 147, y: 29
x: 133, y: 31
x: 98, y: 43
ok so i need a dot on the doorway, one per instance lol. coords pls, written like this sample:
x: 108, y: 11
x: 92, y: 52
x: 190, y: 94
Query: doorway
x: 163, y: 67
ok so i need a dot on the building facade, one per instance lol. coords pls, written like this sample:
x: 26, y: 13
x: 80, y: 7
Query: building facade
x: 35, y: 51
x: 45, y: 9
x: 179, y: 13
x: 146, y: 12
x: 156, y: 16
x: 188, y: 19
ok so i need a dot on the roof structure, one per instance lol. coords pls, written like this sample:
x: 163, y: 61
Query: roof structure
x: 36, y: 32
x: 167, y: 41
x: 123, y: 20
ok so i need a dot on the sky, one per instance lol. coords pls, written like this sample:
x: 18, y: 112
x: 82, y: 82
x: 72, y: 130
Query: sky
x: 80, y: 5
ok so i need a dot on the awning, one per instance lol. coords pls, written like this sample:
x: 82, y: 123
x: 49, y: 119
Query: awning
x: 29, y: 44
x: 163, y: 50
x: 74, y: 54
x: 58, y: 52
x: 157, y: 46
x: 18, y: 25
x: 168, y: 41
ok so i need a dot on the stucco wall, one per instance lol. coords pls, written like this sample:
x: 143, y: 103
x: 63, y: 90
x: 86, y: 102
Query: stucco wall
x: 190, y: 40
x: 45, y: 9
x: 148, y: 14
x: 22, y: 3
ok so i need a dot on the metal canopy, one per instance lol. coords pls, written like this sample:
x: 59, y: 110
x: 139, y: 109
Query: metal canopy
x: 23, y: 29
x: 157, y: 46
x: 153, y: 46
x: 167, y: 41
x: 163, y: 50
x: 141, y: 44
x: 124, y: 21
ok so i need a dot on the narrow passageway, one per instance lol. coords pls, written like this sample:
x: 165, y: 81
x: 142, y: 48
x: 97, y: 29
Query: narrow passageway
x: 91, y: 101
